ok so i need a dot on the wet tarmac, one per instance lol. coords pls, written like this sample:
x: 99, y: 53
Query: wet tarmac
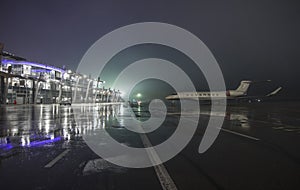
x: 42, y: 147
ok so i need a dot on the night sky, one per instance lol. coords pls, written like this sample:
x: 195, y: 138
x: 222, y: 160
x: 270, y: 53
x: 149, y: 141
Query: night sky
x: 254, y: 40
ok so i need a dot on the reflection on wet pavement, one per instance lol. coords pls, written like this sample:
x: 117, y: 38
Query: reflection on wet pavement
x: 40, y: 125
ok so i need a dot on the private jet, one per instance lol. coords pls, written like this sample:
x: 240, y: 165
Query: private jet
x: 240, y: 92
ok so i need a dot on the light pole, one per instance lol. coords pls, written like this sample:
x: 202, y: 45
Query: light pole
x: 139, y: 95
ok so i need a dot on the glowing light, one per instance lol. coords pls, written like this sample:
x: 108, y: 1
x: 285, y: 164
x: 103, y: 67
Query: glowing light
x: 5, y: 61
x: 39, y: 143
x: 8, y: 147
x: 139, y: 103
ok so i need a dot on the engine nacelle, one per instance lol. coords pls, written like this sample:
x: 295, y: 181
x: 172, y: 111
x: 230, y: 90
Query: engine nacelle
x: 234, y: 93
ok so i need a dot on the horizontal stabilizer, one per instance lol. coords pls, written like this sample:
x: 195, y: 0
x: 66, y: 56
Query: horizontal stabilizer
x: 274, y: 92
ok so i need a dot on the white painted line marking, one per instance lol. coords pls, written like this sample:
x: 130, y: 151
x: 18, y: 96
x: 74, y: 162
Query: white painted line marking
x: 240, y: 134
x: 164, y: 178
x: 233, y: 132
x: 162, y: 174
x: 50, y: 164
x: 273, y: 123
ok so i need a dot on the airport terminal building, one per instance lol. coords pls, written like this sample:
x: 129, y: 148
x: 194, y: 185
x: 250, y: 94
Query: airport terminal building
x: 23, y: 82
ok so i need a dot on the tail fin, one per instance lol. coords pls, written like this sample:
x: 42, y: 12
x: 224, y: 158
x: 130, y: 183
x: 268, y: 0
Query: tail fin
x: 244, y: 85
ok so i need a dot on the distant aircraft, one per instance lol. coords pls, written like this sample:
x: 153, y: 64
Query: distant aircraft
x: 240, y: 92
